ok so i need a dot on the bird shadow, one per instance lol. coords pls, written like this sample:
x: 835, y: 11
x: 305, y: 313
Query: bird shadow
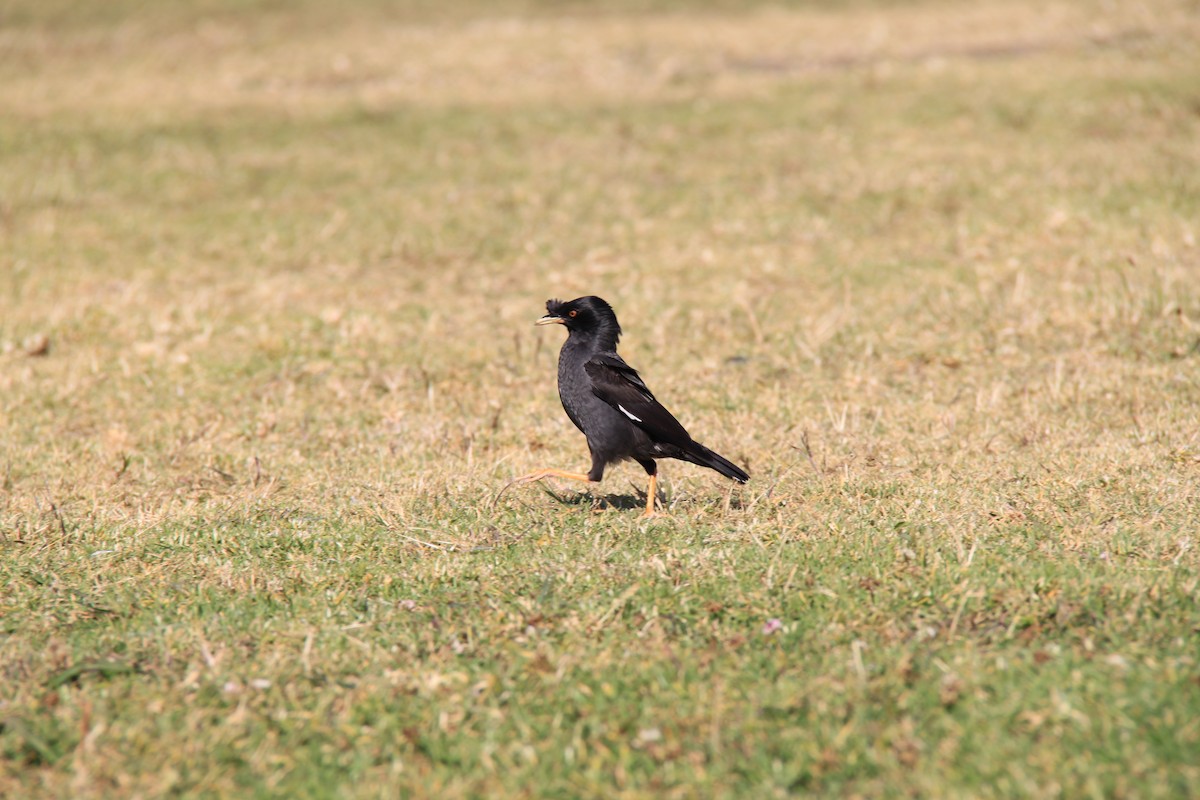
x: 620, y: 502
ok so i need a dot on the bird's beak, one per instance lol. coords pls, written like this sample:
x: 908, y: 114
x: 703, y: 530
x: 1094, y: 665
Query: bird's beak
x: 550, y: 320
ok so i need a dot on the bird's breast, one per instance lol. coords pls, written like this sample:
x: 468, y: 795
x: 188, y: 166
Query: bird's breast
x: 575, y: 387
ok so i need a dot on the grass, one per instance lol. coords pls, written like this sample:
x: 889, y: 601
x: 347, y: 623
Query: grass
x: 266, y: 358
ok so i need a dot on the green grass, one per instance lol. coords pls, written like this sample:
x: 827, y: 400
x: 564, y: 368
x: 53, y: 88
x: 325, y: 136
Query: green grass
x: 266, y: 360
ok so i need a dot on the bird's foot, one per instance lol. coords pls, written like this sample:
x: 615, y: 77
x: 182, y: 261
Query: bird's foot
x: 539, y: 475
x: 549, y: 473
x: 651, y: 497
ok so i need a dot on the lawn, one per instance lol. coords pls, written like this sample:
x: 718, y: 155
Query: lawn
x: 928, y: 270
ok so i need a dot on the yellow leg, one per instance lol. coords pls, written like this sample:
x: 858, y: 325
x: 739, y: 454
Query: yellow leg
x: 651, y: 494
x: 537, y: 476
x: 550, y: 473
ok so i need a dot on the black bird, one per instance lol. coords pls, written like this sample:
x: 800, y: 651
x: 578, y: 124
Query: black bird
x: 607, y: 400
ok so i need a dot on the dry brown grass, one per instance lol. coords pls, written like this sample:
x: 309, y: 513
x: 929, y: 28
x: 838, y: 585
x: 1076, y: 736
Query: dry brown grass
x: 266, y: 355
x: 381, y: 57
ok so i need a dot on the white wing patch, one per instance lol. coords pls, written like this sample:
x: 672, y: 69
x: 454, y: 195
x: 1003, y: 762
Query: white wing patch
x: 626, y: 413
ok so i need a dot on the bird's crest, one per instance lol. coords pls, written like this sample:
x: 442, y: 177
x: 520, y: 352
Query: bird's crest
x: 590, y: 315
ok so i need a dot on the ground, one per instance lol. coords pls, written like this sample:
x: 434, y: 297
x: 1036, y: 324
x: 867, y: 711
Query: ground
x: 927, y: 270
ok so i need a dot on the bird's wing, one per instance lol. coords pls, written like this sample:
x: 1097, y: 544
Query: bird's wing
x: 619, y: 385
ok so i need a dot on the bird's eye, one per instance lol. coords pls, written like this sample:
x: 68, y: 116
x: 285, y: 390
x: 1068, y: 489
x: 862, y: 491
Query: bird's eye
x: 572, y: 313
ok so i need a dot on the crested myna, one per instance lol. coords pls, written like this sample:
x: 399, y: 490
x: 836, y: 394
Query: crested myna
x: 607, y: 400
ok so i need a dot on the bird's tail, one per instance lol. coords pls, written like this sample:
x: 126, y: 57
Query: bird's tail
x: 699, y: 454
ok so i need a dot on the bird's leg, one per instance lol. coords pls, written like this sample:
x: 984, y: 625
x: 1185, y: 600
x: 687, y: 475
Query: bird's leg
x: 651, y: 496
x: 651, y: 493
x: 550, y: 473
x: 537, y: 476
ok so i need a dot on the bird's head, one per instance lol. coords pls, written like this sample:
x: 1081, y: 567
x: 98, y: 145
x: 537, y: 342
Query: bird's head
x: 583, y: 315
